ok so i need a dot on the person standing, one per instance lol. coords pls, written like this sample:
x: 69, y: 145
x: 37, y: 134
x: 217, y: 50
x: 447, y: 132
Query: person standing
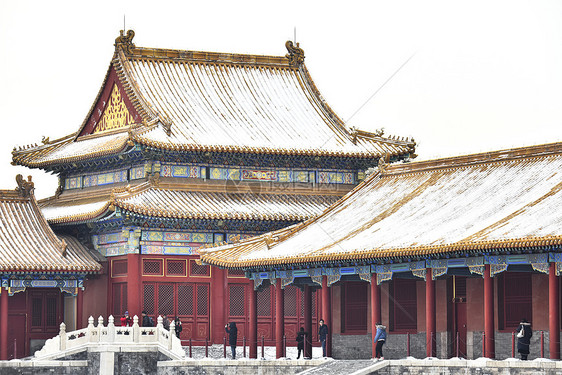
x: 232, y: 337
x: 524, y: 334
x: 177, y: 326
x: 146, y: 320
x: 165, y: 322
x: 323, y: 335
x: 126, y: 320
x: 300, y: 342
x: 380, y: 339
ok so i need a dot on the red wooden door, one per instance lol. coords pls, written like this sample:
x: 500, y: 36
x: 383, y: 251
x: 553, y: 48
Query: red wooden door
x: 460, y: 329
x: 17, y: 330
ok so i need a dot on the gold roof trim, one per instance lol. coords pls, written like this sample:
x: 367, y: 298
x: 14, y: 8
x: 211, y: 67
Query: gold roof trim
x: 482, y: 158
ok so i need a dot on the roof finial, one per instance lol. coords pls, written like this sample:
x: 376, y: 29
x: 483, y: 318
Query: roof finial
x: 125, y: 41
x: 295, y: 55
x: 24, y: 187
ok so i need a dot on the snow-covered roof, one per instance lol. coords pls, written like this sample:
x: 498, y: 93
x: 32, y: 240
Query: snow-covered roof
x: 204, y: 101
x: 179, y: 202
x: 485, y: 202
x: 27, y: 243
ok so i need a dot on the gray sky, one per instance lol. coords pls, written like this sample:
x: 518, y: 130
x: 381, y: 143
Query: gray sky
x: 484, y: 75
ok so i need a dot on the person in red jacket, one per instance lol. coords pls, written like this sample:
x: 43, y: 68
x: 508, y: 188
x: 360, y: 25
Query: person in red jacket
x: 126, y: 320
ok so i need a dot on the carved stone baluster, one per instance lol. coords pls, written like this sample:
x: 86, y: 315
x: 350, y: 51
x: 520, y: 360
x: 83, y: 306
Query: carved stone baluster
x: 62, y: 336
x: 92, y: 330
x: 171, y: 334
x: 110, y: 329
x: 136, y: 329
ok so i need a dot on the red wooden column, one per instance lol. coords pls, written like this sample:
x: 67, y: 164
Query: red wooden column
x: 133, y: 286
x: 327, y: 313
x: 218, y: 296
x: 79, y: 308
x: 308, y: 321
x: 553, y: 313
x: 253, y: 328
x: 279, y: 319
x: 375, y: 309
x: 489, y: 313
x: 430, y: 320
x: 3, y: 325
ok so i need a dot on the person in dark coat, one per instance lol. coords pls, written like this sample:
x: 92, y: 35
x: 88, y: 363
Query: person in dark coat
x: 232, y: 337
x: 165, y: 322
x: 524, y: 334
x: 146, y: 320
x: 300, y: 342
x: 323, y: 335
x: 177, y: 326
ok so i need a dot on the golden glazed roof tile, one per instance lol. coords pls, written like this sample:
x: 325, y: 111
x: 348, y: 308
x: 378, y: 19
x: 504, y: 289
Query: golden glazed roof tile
x: 28, y: 243
x: 483, y: 202
x: 219, y: 102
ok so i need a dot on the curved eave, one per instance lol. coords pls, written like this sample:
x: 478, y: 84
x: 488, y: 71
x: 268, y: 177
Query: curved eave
x: 377, y: 254
x: 208, y: 216
x: 84, y: 217
x: 30, y: 162
x: 265, y: 150
x: 30, y: 269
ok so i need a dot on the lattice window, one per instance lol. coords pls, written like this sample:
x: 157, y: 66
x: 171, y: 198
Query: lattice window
x: 51, y: 312
x: 313, y: 307
x: 264, y: 302
x: 236, y: 299
x: 148, y: 298
x: 290, y: 306
x: 152, y: 267
x: 354, y: 304
x: 313, y: 304
x: 302, y: 303
x: 515, y: 296
x: 460, y: 287
x: 36, y: 312
x: 176, y: 267
x: 124, y: 298
x: 236, y: 273
x: 199, y: 270
x: 403, y: 304
x: 185, y: 299
x: 120, y: 268
x: 166, y: 299
x: 202, y: 300
x: 119, y: 298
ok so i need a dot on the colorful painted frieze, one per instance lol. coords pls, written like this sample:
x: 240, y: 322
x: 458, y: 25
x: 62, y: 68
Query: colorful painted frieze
x: 106, y: 178
x: 73, y: 183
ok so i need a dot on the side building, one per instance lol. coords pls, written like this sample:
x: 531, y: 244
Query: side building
x: 183, y: 149
x: 449, y: 254
x: 43, y: 275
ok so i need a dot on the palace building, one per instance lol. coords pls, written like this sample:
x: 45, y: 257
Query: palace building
x: 182, y: 150
x: 449, y: 254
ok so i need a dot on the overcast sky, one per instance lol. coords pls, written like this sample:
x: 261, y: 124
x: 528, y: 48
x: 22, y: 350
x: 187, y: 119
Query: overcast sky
x: 482, y: 76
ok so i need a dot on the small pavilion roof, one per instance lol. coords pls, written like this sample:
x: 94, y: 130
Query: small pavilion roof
x: 180, y: 202
x: 27, y: 242
x: 490, y: 202
x: 219, y: 102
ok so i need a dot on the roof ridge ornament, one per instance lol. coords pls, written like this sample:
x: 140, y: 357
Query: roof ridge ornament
x: 383, y: 163
x: 25, y: 188
x: 295, y: 55
x: 125, y: 41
